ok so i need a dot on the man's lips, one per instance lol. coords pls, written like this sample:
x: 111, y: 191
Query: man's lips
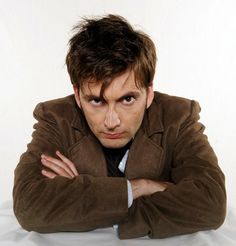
x: 112, y: 135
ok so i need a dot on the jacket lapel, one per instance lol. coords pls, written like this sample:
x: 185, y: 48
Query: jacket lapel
x: 86, y: 152
x: 146, y: 156
x: 88, y: 156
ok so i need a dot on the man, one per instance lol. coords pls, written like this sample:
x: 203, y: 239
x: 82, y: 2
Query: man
x: 116, y: 152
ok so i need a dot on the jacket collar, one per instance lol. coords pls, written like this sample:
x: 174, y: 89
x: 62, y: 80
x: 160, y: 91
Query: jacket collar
x: 79, y: 122
x: 153, y: 121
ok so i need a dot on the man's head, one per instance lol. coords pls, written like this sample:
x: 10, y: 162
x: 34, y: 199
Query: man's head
x: 111, y: 67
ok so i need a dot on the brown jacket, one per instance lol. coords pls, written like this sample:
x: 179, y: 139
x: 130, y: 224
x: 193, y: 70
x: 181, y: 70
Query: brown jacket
x: 169, y: 146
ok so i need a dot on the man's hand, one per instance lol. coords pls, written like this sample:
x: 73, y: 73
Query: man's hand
x: 60, y: 167
x: 145, y: 187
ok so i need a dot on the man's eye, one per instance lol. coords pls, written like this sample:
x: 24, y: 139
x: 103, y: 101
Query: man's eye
x: 128, y: 100
x: 96, y: 102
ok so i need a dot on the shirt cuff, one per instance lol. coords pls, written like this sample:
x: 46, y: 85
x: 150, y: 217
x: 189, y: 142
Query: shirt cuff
x: 130, y: 202
x: 130, y: 194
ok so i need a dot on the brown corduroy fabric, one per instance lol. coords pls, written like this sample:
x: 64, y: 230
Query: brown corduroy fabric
x: 169, y: 146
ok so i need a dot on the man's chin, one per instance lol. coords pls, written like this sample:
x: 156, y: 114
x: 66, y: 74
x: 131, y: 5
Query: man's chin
x: 114, y: 143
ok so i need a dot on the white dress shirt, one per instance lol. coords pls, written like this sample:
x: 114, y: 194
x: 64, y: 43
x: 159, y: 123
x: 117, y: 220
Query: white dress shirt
x: 122, y: 166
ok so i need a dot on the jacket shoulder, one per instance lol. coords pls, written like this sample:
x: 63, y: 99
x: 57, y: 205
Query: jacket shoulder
x: 175, y: 108
x: 60, y: 108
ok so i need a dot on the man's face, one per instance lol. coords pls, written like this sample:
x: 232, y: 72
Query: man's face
x: 116, y: 120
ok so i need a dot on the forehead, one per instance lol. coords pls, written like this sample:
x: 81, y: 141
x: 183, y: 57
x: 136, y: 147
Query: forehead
x: 119, y: 85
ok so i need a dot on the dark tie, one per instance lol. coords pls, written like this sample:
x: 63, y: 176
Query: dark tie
x: 113, y: 158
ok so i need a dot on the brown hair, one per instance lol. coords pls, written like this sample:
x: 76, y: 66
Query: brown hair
x: 103, y: 48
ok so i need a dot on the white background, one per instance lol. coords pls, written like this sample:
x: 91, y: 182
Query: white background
x: 196, y: 43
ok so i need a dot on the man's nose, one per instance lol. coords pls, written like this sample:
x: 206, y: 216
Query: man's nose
x: 112, y: 119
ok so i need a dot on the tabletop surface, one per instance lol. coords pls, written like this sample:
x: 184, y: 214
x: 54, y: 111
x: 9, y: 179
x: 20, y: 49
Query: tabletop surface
x: 12, y: 234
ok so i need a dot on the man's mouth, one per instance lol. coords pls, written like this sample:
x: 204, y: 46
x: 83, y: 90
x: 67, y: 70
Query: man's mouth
x: 113, y: 135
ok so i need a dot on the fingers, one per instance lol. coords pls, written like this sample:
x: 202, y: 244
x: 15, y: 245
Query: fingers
x: 145, y: 187
x: 49, y: 174
x: 68, y: 162
x: 57, y: 166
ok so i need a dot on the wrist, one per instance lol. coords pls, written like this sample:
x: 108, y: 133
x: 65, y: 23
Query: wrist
x: 138, y: 187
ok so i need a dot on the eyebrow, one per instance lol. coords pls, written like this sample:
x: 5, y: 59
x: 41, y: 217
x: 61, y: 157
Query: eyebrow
x: 135, y: 94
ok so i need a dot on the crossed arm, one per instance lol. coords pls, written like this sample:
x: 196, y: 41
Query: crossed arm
x: 66, y: 168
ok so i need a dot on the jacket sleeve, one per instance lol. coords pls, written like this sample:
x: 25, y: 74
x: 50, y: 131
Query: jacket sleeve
x: 196, y: 201
x: 61, y: 204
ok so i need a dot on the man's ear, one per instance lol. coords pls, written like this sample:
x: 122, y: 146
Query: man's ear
x: 77, y: 96
x: 150, y: 95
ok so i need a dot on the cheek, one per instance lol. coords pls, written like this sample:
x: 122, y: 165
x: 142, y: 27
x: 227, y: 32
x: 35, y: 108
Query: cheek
x: 132, y: 119
x: 137, y: 118
x: 94, y: 118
